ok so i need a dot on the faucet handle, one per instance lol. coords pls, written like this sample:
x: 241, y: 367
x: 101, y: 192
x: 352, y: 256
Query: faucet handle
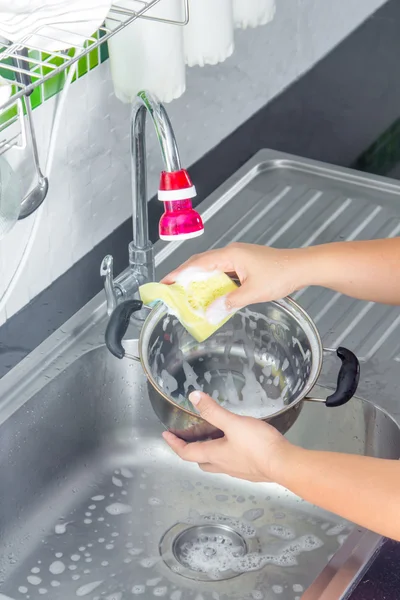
x: 111, y: 289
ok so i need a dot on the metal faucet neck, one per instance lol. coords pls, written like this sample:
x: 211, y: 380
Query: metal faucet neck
x: 141, y: 254
x: 145, y: 104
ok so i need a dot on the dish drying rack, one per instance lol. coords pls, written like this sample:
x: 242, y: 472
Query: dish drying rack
x: 45, y: 64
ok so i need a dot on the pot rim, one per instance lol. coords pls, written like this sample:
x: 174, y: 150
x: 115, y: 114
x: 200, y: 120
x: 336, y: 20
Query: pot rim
x: 289, y: 305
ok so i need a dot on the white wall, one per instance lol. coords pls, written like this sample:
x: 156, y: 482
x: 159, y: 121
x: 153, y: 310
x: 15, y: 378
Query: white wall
x: 90, y: 184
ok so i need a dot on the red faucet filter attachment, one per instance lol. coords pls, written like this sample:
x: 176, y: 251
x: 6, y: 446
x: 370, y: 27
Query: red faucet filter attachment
x: 179, y: 221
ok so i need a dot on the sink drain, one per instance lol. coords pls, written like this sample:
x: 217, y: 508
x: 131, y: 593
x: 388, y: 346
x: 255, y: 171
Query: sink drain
x: 202, y: 552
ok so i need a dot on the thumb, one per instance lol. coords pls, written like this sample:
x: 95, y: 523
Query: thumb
x: 211, y: 411
x: 242, y: 296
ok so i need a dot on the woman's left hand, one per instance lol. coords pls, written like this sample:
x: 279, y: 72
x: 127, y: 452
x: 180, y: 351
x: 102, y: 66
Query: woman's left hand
x: 250, y: 448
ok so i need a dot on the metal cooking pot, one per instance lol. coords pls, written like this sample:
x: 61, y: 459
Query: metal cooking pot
x: 263, y: 362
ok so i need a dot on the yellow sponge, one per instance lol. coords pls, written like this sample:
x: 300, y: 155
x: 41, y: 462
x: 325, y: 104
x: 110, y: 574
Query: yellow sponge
x: 189, y: 298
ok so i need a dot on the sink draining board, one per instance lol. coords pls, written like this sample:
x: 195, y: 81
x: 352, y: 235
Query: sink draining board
x: 90, y: 493
x: 285, y: 201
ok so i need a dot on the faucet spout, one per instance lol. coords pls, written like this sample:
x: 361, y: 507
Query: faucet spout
x: 179, y: 221
x: 145, y: 104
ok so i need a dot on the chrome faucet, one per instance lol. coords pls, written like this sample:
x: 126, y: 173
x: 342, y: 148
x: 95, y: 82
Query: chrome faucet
x: 141, y: 255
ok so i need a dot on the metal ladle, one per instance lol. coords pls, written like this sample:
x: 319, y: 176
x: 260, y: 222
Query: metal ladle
x: 36, y: 196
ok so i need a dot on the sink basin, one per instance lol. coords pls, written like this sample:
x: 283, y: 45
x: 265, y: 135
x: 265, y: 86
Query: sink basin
x: 93, y: 502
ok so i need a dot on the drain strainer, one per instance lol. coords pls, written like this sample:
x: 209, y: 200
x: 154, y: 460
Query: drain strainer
x: 203, y: 552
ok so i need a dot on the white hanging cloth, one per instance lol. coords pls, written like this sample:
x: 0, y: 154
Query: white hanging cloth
x: 208, y: 37
x: 251, y: 13
x: 149, y: 55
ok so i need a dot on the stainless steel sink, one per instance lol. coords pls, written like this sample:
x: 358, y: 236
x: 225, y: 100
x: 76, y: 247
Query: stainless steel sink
x: 94, y: 504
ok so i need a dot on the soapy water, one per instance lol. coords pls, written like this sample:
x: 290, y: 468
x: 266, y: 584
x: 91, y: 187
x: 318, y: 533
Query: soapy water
x: 246, y: 373
x: 212, y: 557
x: 277, y: 589
x: 215, y: 556
x: 241, y: 393
x: 281, y: 532
x: 336, y: 529
x: 246, y: 530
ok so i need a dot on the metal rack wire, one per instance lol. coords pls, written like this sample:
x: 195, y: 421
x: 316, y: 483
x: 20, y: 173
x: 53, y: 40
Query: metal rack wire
x: 44, y: 65
x: 49, y: 64
x: 13, y: 132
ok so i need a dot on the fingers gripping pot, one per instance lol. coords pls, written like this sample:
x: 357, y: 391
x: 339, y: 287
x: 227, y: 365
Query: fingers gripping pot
x: 264, y: 362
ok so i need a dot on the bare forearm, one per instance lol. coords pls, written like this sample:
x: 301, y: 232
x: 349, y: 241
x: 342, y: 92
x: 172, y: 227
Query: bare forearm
x: 363, y: 490
x: 368, y: 270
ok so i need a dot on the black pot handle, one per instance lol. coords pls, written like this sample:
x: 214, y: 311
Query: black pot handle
x: 348, y: 378
x: 118, y: 324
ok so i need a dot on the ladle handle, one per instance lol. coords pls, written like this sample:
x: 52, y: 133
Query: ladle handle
x: 118, y: 325
x: 348, y: 378
x: 23, y: 78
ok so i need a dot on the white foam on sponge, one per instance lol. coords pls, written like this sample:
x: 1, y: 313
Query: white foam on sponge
x: 218, y: 311
x: 187, y: 276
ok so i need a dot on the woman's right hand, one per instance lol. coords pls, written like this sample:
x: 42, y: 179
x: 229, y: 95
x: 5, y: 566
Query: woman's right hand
x: 264, y: 273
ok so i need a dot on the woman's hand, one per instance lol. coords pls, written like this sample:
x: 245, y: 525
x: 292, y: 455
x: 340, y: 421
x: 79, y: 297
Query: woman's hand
x: 354, y: 487
x: 250, y: 448
x: 264, y: 273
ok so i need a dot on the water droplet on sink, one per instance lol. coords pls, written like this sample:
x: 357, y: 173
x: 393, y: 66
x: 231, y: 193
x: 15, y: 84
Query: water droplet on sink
x: 253, y: 514
x: 138, y: 589
x: 221, y: 497
x: 125, y: 472
x: 281, y: 532
x: 155, y: 501
x: 149, y: 562
x: 118, y: 509
x: 86, y: 589
x: 57, y: 567
x: 60, y: 528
